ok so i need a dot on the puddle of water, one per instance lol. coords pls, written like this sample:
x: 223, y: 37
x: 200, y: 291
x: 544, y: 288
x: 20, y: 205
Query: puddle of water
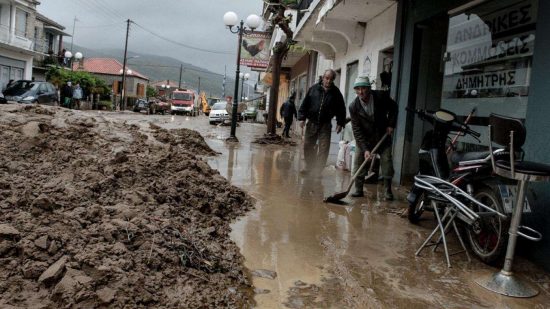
x: 356, y: 255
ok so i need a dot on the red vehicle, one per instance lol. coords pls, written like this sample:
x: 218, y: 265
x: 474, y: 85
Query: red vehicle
x: 184, y: 101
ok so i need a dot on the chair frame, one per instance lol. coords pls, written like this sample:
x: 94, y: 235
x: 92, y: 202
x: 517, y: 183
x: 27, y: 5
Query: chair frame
x: 504, y: 282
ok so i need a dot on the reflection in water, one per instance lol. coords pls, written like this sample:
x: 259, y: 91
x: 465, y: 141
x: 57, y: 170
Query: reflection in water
x: 231, y: 161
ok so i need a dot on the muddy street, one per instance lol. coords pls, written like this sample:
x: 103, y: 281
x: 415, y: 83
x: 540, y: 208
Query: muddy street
x: 216, y: 224
x: 307, y: 254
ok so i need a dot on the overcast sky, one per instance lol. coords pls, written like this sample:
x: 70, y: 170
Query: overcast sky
x: 199, y: 23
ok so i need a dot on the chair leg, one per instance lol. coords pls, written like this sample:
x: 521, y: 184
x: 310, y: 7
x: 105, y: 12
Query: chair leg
x: 504, y: 282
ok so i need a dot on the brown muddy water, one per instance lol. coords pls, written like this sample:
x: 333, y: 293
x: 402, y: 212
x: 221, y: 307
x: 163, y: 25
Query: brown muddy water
x: 304, y: 253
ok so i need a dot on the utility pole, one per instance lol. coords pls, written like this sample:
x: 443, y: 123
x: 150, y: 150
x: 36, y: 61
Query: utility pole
x: 181, y: 71
x: 122, y: 103
x: 199, y: 85
x: 72, y: 37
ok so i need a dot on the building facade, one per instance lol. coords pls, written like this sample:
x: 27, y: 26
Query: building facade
x: 110, y: 70
x: 490, y: 55
x: 27, y: 40
x: 456, y: 54
x: 16, y: 40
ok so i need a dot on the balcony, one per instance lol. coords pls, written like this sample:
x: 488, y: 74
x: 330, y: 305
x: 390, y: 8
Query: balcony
x: 15, y: 40
x: 302, y: 8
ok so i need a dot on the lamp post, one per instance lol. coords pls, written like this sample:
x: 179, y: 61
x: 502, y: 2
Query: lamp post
x: 244, y: 77
x: 122, y: 104
x: 77, y: 57
x: 252, y: 21
x: 166, y: 89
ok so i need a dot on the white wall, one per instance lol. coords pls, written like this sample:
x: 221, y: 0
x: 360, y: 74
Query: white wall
x: 322, y: 65
x: 18, y: 56
x: 379, y: 35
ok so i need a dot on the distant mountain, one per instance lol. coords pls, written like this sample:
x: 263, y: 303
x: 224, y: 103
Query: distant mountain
x: 166, y: 68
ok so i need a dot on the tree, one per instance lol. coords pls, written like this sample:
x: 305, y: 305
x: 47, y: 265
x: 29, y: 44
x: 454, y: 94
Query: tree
x: 93, y: 85
x: 151, y: 91
x: 277, y: 8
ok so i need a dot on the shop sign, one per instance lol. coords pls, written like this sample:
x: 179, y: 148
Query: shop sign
x: 255, y: 51
x: 489, y: 50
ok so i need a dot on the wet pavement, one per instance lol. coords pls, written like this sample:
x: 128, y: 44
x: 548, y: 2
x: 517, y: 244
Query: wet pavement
x: 304, y: 253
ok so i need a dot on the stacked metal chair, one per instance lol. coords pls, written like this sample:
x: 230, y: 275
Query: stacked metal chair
x: 449, y: 200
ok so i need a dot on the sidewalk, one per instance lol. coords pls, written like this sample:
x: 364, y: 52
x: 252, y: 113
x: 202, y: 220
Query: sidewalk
x: 359, y: 255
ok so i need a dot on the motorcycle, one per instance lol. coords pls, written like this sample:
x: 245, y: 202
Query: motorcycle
x: 470, y: 171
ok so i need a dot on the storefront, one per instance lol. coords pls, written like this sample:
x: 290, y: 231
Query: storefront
x: 490, y: 55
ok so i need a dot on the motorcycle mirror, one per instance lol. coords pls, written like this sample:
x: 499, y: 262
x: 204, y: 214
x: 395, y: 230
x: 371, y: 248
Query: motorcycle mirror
x: 444, y: 116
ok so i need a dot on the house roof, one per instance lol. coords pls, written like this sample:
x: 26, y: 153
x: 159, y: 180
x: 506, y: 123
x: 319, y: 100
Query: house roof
x: 173, y: 84
x: 109, y: 66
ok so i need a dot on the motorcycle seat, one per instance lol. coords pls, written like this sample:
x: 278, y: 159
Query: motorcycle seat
x: 457, y: 157
x: 526, y: 167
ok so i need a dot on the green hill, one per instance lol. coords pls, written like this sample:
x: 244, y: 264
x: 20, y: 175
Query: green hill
x: 166, y: 68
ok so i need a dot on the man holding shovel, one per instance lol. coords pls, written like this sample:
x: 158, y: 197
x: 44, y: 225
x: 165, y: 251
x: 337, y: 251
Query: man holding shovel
x: 373, y: 114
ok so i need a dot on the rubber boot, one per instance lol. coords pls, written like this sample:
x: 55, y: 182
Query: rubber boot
x: 388, y: 195
x: 358, y: 189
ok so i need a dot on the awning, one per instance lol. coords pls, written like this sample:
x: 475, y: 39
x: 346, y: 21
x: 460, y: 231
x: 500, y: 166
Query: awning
x: 56, y: 30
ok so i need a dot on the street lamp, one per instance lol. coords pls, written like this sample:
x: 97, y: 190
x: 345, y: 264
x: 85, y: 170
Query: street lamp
x: 252, y: 21
x: 244, y: 77
x: 122, y: 104
x: 166, y: 89
x: 77, y: 57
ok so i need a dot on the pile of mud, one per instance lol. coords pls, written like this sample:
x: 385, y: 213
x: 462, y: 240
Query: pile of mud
x: 274, y: 140
x: 104, y: 214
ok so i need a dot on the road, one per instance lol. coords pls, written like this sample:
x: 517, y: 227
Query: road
x: 357, y: 255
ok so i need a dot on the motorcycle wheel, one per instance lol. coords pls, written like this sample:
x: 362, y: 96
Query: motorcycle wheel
x: 416, y: 209
x: 488, y: 239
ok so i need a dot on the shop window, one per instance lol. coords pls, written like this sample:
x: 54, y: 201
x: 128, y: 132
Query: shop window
x: 488, y: 58
x: 385, y: 69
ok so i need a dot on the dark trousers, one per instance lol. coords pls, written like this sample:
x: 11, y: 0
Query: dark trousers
x: 386, y: 166
x: 288, y: 123
x: 316, y: 144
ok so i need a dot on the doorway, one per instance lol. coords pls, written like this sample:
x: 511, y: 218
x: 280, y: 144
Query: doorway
x: 429, y: 44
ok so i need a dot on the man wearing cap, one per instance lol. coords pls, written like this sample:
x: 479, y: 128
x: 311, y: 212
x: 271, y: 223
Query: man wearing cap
x: 322, y: 102
x: 373, y: 113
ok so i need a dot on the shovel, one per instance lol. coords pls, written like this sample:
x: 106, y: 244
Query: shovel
x: 340, y: 195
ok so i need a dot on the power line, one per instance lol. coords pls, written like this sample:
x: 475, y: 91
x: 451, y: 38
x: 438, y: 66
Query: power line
x: 181, y: 44
x: 110, y: 8
x: 176, y: 67
x: 100, y: 12
x: 101, y: 26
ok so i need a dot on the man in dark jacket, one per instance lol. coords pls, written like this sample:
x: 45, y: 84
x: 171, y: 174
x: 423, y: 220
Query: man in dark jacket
x: 372, y: 114
x: 288, y: 113
x: 66, y: 94
x: 322, y: 102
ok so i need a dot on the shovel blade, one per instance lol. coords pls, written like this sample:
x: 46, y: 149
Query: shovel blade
x: 336, y: 197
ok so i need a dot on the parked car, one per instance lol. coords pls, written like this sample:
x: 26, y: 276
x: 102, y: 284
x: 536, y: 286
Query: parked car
x: 218, y: 112
x: 142, y: 106
x: 250, y: 113
x: 27, y: 91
